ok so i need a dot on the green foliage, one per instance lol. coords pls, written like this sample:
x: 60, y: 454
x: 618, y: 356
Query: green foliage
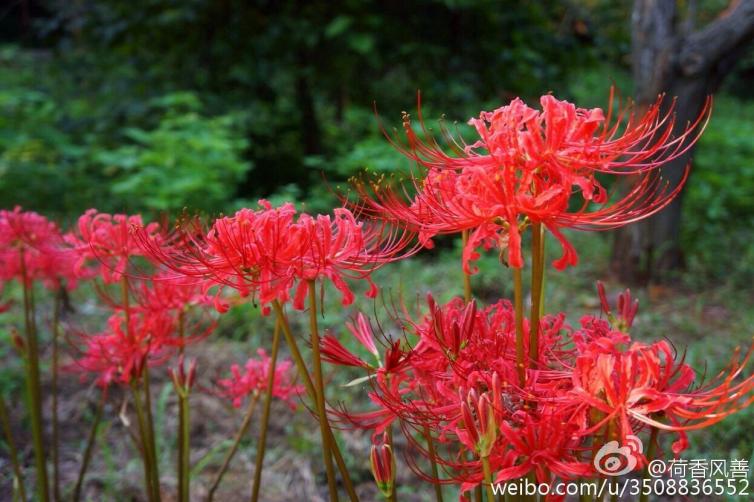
x: 187, y: 160
x: 720, y: 196
x: 166, y: 155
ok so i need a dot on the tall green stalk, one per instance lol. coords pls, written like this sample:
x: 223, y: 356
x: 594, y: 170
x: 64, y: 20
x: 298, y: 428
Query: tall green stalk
x: 518, y: 304
x: 259, y: 463
x: 184, y: 450
x: 149, y: 425
x: 537, y: 282
x: 466, y: 277
x: 33, y: 385
x: 320, y: 393
x: 54, y: 392
x: 307, y: 380
x: 644, y: 497
x: 234, y: 447
x: 143, y: 442
x: 432, y: 458
x: 488, y: 478
x: 89, y: 448
x: 12, y: 451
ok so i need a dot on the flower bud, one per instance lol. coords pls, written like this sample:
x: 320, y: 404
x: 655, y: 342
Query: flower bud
x: 383, y: 468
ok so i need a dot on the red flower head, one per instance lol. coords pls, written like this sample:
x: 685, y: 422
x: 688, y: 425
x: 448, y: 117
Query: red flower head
x: 108, y: 240
x: 269, y: 251
x: 120, y: 353
x: 528, y: 167
x: 170, y: 292
x: 31, y: 248
x: 253, y: 379
x: 645, y: 386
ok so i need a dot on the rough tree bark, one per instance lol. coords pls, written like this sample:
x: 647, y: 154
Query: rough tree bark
x: 670, y: 55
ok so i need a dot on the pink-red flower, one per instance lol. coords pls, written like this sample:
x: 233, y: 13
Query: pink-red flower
x: 108, y: 241
x: 269, y: 252
x: 121, y: 352
x: 535, y: 166
x: 253, y: 377
x: 31, y: 248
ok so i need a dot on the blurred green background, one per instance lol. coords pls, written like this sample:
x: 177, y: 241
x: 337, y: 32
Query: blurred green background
x: 159, y: 105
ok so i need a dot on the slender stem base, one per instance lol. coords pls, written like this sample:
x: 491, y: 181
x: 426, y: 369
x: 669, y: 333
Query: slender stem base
x: 54, y: 392
x: 537, y: 280
x: 261, y: 446
x: 12, y: 451
x: 644, y: 497
x: 466, y: 277
x: 306, y: 379
x: 33, y: 385
x: 432, y: 456
x: 236, y: 442
x: 320, y: 396
x: 488, y: 478
x: 91, y: 440
x: 184, y: 450
x: 143, y: 441
x: 518, y: 303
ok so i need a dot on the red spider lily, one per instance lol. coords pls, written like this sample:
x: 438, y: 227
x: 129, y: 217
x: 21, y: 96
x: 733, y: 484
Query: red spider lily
x: 645, y: 386
x: 108, y: 241
x: 382, y: 461
x: 527, y: 167
x: 28, y: 236
x: 120, y: 353
x: 269, y: 251
x: 168, y: 291
x: 546, y: 445
x: 456, y: 378
x: 253, y: 379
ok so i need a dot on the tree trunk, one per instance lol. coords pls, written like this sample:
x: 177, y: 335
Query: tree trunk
x: 669, y: 57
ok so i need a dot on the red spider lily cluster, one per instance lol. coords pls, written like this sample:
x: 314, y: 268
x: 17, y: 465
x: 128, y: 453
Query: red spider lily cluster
x: 272, y: 252
x: 482, y: 393
x: 454, y: 374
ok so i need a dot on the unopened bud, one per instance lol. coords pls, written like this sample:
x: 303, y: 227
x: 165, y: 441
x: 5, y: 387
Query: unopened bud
x: 383, y: 468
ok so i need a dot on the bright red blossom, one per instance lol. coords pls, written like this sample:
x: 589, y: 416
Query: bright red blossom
x: 252, y: 379
x: 454, y: 374
x: 31, y: 247
x: 269, y: 251
x: 530, y: 166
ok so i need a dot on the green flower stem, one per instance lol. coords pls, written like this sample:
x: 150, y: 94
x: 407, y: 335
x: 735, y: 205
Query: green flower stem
x: 432, y: 456
x: 537, y: 293
x: 149, y: 425
x: 184, y: 449
x: 236, y: 442
x: 143, y: 443
x: 89, y: 448
x: 644, y: 497
x: 261, y: 446
x: 320, y: 395
x: 12, y: 451
x: 518, y: 303
x: 306, y: 379
x: 33, y: 385
x: 466, y: 277
x: 488, y: 478
x: 54, y: 392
